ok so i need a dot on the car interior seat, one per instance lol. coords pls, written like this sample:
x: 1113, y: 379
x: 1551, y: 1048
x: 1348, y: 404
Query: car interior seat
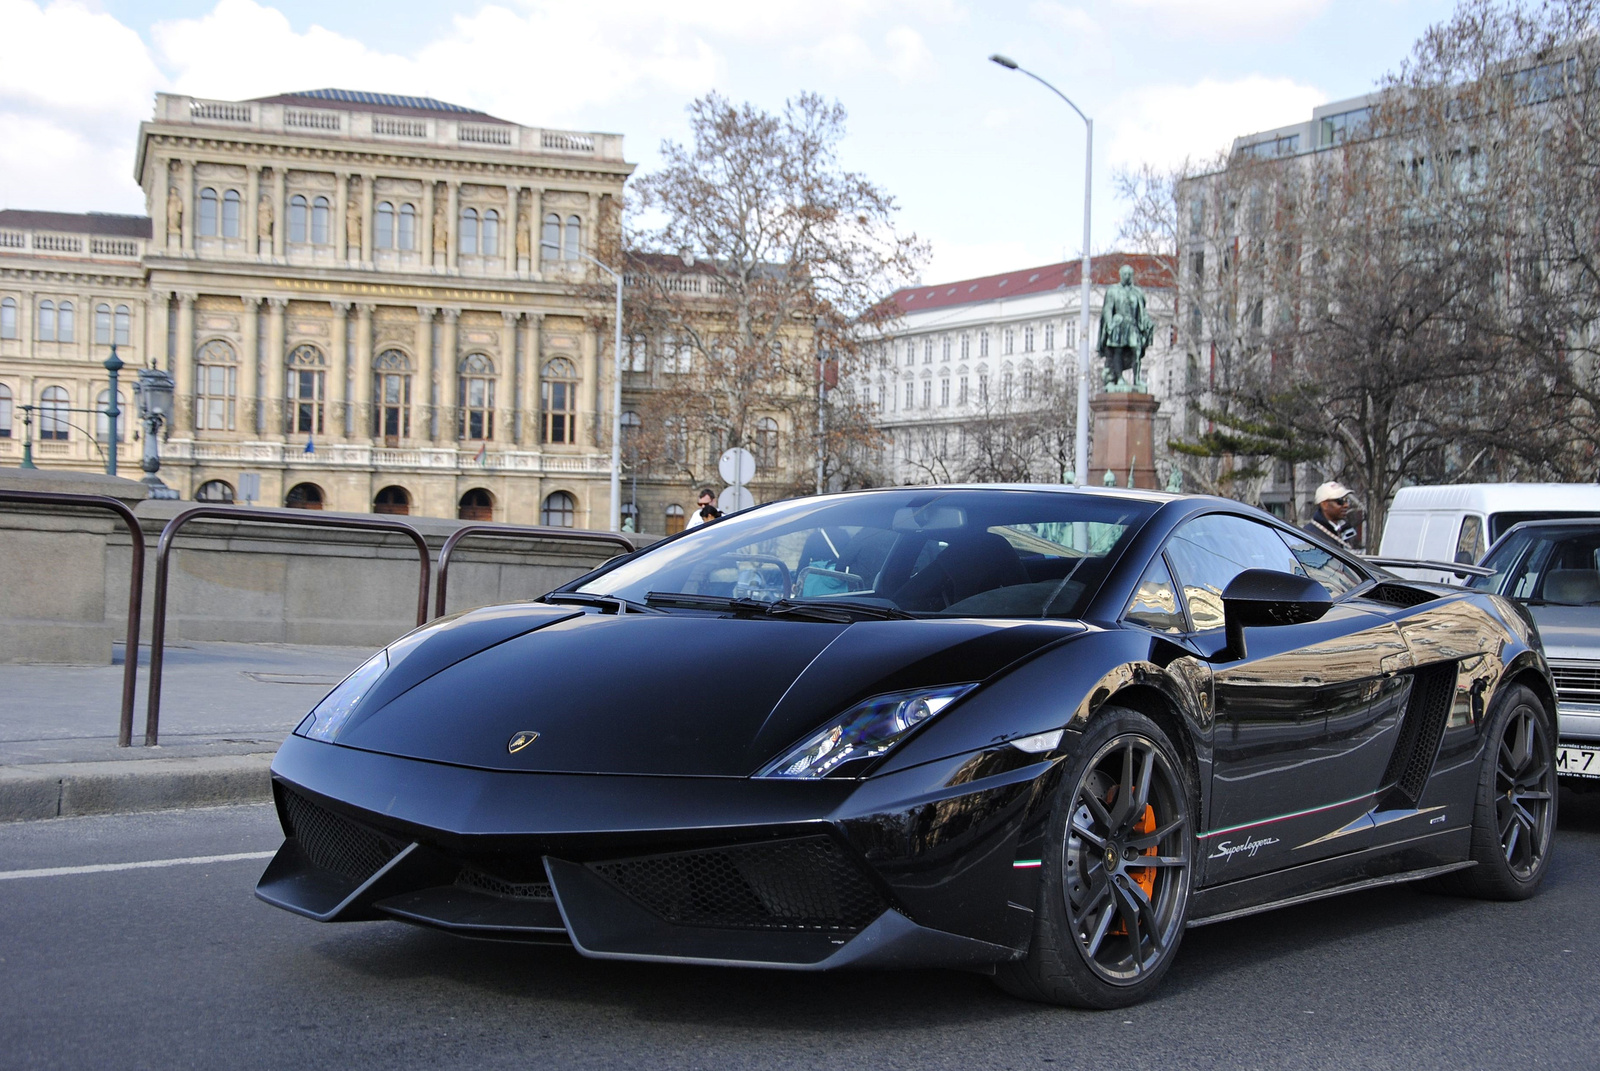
x: 973, y: 562
x: 1572, y: 585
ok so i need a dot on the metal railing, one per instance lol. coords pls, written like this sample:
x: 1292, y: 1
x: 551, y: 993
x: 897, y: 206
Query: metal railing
x: 130, y: 661
x: 569, y: 535
x: 158, y: 618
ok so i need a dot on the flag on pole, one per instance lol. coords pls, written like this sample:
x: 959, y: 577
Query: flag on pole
x: 311, y: 447
x: 482, y: 458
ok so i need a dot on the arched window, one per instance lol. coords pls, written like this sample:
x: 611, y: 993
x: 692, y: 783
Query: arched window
x: 8, y: 318
x: 383, y: 227
x: 675, y: 440
x: 53, y: 415
x: 469, y: 232
x: 297, y: 219
x: 560, y: 510
x: 559, y: 393
x: 319, y: 221
x: 207, y: 222
x: 490, y: 246
x: 47, y: 321
x: 102, y: 325
x: 766, y: 444
x: 392, y: 371
x: 121, y: 332
x: 102, y: 422
x: 216, y: 386
x: 550, y: 243
x: 214, y: 491
x: 475, y: 398
x: 675, y: 520
x: 392, y: 500
x: 407, y: 238
x: 569, y: 251
x: 309, y: 496
x: 305, y: 380
x: 230, y: 214
x: 64, y: 322
x: 5, y: 411
x: 476, y: 505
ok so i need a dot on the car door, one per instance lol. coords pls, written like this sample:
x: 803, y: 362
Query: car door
x: 1295, y: 718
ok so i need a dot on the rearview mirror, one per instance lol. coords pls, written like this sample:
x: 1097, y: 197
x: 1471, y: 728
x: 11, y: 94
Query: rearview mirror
x: 1267, y: 597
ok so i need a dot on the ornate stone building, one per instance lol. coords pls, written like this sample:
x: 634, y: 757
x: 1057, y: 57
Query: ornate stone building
x: 373, y: 302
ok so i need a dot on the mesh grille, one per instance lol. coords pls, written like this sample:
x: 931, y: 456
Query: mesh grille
x: 1576, y: 683
x: 1426, y: 713
x: 1400, y: 595
x: 803, y: 884
x: 335, y: 843
x: 481, y: 882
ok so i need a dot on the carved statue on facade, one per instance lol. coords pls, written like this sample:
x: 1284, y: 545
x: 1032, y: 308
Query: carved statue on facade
x: 174, y: 212
x: 352, y: 224
x: 441, y: 225
x: 1125, y: 331
x: 264, y: 217
x: 524, y: 230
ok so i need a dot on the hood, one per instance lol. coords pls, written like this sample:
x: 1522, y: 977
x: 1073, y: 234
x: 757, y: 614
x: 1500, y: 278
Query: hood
x: 676, y: 695
x: 1568, y: 631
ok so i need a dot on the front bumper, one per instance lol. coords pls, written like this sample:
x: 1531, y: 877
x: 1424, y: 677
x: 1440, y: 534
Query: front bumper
x: 1578, y: 721
x: 910, y: 869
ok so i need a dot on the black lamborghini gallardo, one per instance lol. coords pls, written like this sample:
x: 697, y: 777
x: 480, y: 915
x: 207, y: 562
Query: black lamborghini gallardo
x: 1036, y: 732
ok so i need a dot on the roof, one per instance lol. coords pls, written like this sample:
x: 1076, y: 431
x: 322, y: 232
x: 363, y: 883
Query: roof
x: 76, y: 222
x: 1495, y: 497
x: 1149, y: 271
x: 386, y: 103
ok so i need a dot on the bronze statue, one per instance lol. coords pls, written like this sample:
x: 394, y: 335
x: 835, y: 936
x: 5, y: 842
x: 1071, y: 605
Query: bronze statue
x: 1125, y: 331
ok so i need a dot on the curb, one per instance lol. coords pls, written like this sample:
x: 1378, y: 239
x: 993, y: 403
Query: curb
x: 71, y: 789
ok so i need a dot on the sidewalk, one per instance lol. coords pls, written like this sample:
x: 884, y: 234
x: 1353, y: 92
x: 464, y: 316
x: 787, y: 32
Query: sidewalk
x: 225, y: 707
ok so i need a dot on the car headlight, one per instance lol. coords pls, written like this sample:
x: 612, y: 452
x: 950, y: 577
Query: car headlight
x: 329, y: 716
x: 864, y: 732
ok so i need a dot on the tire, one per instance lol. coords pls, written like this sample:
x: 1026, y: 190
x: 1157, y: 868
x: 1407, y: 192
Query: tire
x: 1514, y: 811
x: 1104, y: 940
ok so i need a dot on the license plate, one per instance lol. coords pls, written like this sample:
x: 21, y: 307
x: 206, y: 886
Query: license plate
x: 1575, y: 760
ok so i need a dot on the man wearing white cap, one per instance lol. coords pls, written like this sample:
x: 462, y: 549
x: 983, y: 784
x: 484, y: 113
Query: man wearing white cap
x: 1332, y: 504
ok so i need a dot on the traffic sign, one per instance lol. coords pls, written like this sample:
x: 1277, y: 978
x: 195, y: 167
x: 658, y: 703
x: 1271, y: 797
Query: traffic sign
x: 737, y: 466
x: 735, y: 498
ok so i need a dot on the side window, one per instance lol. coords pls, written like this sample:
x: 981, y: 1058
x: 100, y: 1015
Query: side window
x: 1155, y: 603
x: 1209, y: 551
x: 1469, y: 544
x: 1323, y: 566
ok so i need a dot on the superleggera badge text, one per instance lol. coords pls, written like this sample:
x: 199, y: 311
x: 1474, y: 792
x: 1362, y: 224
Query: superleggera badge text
x: 1226, y: 849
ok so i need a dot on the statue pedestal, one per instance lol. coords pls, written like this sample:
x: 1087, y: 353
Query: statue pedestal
x: 1123, y: 425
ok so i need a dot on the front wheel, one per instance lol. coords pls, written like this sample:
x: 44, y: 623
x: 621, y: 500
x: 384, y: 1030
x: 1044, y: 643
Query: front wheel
x: 1114, y: 892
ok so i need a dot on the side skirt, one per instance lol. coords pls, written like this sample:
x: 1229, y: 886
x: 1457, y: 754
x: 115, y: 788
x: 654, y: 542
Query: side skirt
x: 1306, y: 898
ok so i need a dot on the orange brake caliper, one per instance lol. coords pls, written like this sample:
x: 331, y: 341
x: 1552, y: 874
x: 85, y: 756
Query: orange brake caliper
x: 1145, y: 877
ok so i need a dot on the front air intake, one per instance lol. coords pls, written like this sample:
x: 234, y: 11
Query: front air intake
x: 335, y: 843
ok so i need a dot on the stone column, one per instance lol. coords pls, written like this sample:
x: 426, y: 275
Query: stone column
x: 425, y: 226
x: 518, y: 354
x: 452, y: 222
x: 155, y: 329
x: 277, y: 310
x: 280, y: 215
x: 183, y: 364
x: 506, y: 375
x: 158, y: 203
x: 363, y: 369
x: 186, y: 191
x: 250, y: 209
x: 249, y: 385
x: 341, y: 216
x: 508, y: 233
x: 422, y: 390
x: 339, y: 371
x: 535, y: 370
x: 591, y: 377
x: 368, y: 184
x: 536, y: 225
x: 445, y: 374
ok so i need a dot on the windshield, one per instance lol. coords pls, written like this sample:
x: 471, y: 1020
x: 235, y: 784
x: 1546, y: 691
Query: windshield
x: 921, y: 552
x: 1559, y: 566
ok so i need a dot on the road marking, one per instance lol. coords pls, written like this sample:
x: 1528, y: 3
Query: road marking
x: 148, y: 864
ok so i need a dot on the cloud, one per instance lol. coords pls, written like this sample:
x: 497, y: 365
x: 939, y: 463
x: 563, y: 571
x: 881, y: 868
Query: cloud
x: 909, y: 56
x: 1164, y: 124
x: 1226, y: 18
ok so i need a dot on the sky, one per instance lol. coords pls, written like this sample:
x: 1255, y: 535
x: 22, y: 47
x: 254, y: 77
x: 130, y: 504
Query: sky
x: 987, y: 165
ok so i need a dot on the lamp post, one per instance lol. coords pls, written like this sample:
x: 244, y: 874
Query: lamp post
x: 616, y: 403
x: 155, y: 390
x: 113, y: 365
x: 1081, y: 446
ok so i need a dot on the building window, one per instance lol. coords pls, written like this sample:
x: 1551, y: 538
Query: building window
x: 1049, y: 336
x: 297, y: 219
x: 47, y: 321
x: 475, y: 398
x: 216, y: 386
x: 64, y: 322
x: 559, y: 394
x: 911, y: 352
x: 383, y: 227
x: 122, y: 320
x: 392, y: 370
x: 392, y: 500
x: 469, y: 232
x: 983, y: 344
x: 1027, y: 383
x: 1009, y: 341
x: 966, y: 347
x: 911, y: 394
x: 961, y: 394
x: 319, y: 221
x: 102, y: 422
x: 675, y: 441
x: 675, y: 520
x: 5, y: 411
x: 309, y: 496
x: 230, y: 214
x: 766, y: 444
x: 476, y: 505
x: 983, y: 388
x: 559, y: 510
x: 635, y: 354
x: 407, y: 237
x: 102, y: 325
x: 927, y: 393
x: 489, y: 245
x: 1027, y: 339
x: 207, y: 222
x: 550, y: 242
x: 214, y: 491
x: 8, y: 318
x: 927, y: 351
x: 53, y: 405
x: 569, y: 251
x: 305, y: 381
x: 944, y: 391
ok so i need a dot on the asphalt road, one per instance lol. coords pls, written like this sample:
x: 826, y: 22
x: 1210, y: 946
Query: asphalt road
x: 179, y: 966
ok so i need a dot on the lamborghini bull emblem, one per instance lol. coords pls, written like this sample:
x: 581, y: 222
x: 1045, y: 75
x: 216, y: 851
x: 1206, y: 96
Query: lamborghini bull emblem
x: 521, y: 740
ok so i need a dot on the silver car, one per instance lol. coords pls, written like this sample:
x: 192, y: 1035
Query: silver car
x: 1553, y: 568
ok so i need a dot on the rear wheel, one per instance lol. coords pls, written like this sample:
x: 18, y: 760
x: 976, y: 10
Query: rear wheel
x: 1114, y: 888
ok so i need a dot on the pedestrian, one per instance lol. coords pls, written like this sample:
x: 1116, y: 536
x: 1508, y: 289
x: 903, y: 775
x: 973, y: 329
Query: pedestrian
x: 1331, y: 507
x: 708, y: 514
x: 706, y: 498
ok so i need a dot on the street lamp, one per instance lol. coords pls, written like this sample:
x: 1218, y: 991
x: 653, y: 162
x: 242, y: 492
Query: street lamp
x: 155, y: 390
x: 113, y: 365
x: 616, y: 403
x: 1082, y: 443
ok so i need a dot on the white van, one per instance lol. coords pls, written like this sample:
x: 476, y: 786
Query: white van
x: 1459, y: 522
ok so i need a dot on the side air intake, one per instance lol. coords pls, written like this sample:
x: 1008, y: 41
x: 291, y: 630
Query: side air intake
x: 1427, y: 711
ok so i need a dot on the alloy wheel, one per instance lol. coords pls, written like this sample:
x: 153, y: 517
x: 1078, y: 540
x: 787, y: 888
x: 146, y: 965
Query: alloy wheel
x: 1524, y: 790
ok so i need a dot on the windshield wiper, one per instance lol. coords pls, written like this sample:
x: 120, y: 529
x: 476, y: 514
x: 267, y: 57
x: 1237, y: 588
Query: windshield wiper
x: 838, y: 610
x: 615, y: 603
x: 692, y: 601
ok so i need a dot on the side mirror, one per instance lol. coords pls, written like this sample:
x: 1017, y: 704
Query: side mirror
x: 1267, y: 597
